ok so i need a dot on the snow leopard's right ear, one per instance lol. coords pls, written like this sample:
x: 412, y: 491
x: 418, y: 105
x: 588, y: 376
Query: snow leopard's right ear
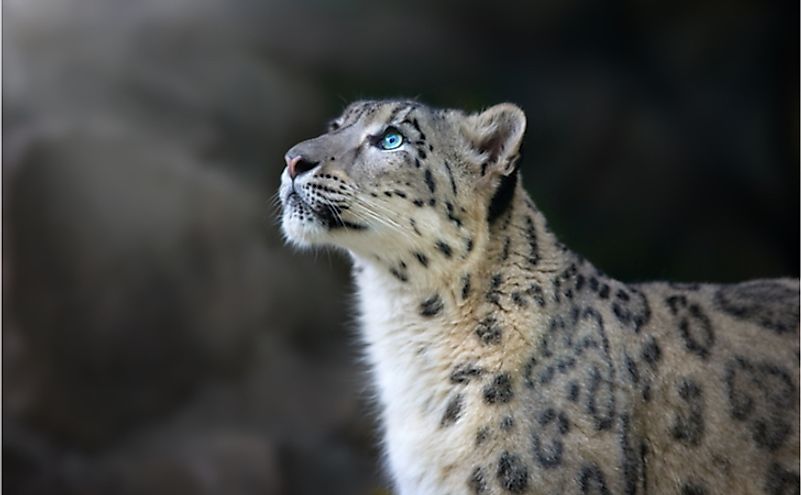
x: 495, y: 135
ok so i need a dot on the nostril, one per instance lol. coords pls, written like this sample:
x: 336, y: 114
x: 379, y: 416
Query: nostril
x: 298, y: 165
x: 304, y: 166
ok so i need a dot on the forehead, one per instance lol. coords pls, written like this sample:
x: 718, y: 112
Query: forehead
x: 368, y: 111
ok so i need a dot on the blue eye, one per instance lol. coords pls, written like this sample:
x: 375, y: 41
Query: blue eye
x: 392, y: 139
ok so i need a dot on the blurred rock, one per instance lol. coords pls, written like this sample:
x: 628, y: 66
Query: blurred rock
x: 204, y: 463
x: 208, y: 463
x: 136, y: 277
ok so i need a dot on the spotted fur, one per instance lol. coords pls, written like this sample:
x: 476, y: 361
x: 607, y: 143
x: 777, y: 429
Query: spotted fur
x: 505, y: 363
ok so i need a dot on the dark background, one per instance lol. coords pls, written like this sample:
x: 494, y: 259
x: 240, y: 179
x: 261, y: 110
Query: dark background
x: 158, y: 338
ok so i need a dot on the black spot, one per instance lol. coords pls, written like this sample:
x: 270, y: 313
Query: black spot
x: 465, y: 286
x: 499, y: 391
x: 423, y: 259
x: 482, y: 435
x: 646, y: 392
x: 452, y: 411
x: 694, y: 326
x: 601, y: 399
x: 414, y: 226
x: 769, y: 304
x: 418, y: 203
x: 432, y: 201
x: 584, y: 333
x: 451, y: 216
x: 400, y: 194
x: 573, y: 390
x: 764, y: 396
x: 693, y: 489
x: 493, y: 295
x: 518, y: 299
x: 536, y: 293
x: 631, y: 367
x: 416, y: 126
x: 546, y: 416
x: 477, y: 481
x: 503, y: 196
x: 688, y: 425
x: 399, y: 274
x: 489, y: 331
x: 548, y: 452
x: 432, y: 186
x: 631, y: 459
x: 527, y: 371
x: 591, y: 480
x: 651, y: 352
x: 577, y: 337
x: 450, y: 176
x: 468, y: 245
x: 507, y: 423
x: 431, y: 306
x: 395, y: 111
x: 506, y: 247
x: 512, y: 473
x: 563, y: 423
x: 632, y: 310
x: 531, y: 237
x: 547, y: 375
x: 593, y: 284
x: 444, y: 248
x: 417, y: 162
x: 780, y: 481
x: 603, y: 293
x: 463, y: 373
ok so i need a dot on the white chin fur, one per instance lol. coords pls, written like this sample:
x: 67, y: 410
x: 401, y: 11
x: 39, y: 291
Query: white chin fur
x: 302, y: 234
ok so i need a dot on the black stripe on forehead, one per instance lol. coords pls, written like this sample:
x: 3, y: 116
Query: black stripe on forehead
x: 399, y: 107
x: 355, y: 110
x: 409, y: 107
x: 352, y: 114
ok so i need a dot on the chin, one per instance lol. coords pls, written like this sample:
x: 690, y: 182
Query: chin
x: 303, y: 234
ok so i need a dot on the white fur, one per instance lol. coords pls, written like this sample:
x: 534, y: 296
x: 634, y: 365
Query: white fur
x: 411, y: 384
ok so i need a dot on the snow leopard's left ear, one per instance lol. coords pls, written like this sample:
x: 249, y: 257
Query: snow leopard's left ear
x: 495, y: 135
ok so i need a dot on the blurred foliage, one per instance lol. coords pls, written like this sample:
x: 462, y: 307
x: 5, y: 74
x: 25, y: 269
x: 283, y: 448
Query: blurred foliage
x: 157, y: 335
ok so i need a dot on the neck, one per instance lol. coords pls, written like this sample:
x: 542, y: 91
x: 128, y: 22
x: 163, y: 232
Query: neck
x: 516, y: 236
x: 479, y: 313
x: 511, y: 265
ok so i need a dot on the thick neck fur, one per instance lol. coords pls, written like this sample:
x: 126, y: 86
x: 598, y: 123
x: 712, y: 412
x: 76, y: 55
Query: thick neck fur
x: 419, y: 332
x: 516, y: 251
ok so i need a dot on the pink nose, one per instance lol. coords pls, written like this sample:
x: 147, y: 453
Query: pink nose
x: 292, y: 165
x: 298, y: 165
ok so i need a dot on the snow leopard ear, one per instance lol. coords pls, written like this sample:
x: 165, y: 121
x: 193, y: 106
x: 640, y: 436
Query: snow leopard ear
x: 495, y: 135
